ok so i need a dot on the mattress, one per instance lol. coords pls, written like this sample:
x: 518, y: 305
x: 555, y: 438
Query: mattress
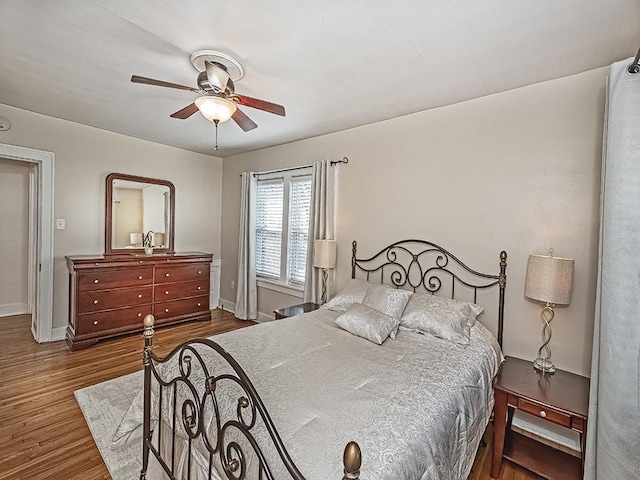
x: 417, y: 405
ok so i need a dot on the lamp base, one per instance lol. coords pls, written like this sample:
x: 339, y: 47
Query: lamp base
x: 544, y: 365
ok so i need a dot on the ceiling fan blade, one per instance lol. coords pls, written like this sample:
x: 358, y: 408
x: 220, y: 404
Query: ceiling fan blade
x: 160, y: 83
x: 217, y: 76
x: 261, y: 104
x: 186, y: 112
x: 244, y: 122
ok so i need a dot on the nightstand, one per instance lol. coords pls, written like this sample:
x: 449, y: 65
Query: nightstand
x: 293, y: 310
x: 561, y: 398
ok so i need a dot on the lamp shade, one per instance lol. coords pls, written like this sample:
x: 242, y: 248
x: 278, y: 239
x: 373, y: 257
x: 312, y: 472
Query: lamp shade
x: 324, y: 253
x: 549, y: 279
x: 135, y: 239
x: 158, y: 239
x: 215, y: 108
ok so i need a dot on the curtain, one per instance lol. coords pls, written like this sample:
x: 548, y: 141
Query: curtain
x: 613, y: 437
x: 321, y: 226
x: 246, y: 288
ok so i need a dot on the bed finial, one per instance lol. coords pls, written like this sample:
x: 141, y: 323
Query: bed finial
x: 352, y: 460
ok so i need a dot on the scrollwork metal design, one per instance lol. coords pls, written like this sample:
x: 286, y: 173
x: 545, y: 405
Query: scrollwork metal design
x: 422, y: 265
x: 217, y: 404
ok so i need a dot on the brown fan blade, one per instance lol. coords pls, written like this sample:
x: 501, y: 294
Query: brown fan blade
x: 244, y: 122
x: 160, y: 83
x: 260, y: 104
x: 186, y: 112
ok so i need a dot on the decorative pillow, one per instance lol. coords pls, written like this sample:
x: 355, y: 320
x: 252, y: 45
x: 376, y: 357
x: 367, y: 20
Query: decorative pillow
x: 442, y: 317
x: 353, y: 292
x: 367, y: 322
x: 387, y: 300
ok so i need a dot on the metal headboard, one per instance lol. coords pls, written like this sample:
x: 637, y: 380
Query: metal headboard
x: 415, y: 264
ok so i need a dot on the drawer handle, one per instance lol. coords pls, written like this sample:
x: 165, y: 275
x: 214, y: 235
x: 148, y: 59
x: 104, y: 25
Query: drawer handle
x: 543, y: 414
x: 95, y: 281
x: 139, y: 295
x: 95, y: 322
x: 199, y: 304
x: 166, y: 292
x: 139, y: 314
x: 166, y: 310
x: 166, y: 274
x: 199, y: 287
x: 95, y: 302
x: 139, y: 277
x: 199, y: 272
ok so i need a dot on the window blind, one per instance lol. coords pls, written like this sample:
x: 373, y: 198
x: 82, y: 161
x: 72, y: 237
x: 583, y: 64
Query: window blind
x: 299, y: 206
x: 269, y: 214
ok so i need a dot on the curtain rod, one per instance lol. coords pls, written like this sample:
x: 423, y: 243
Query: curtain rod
x: 635, y: 65
x: 332, y: 163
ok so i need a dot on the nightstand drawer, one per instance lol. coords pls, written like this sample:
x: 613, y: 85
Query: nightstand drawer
x: 545, y: 412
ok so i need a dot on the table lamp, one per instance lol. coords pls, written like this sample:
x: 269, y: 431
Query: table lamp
x: 324, y: 257
x: 549, y: 280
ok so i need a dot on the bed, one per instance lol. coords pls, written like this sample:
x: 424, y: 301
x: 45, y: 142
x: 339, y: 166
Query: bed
x: 401, y: 374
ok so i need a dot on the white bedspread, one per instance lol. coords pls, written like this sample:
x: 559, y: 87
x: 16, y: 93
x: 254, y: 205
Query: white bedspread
x: 417, y: 405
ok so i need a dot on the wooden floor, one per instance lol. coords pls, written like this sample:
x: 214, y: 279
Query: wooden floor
x: 43, y: 434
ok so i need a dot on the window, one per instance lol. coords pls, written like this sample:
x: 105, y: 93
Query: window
x: 282, y: 228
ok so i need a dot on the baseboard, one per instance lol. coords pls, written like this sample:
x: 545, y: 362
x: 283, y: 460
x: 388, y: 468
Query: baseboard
x: 14, y: 309
x: 58, y: 334
x: 228, y: 306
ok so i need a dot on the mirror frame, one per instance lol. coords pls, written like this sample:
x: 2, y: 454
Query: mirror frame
x: 108, y: 249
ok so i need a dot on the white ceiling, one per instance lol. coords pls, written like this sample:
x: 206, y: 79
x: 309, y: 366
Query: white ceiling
x: 334, y: 64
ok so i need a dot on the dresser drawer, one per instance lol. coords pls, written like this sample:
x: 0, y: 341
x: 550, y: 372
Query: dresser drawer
x: 178, y: 308
x: 116, y: 298
x: 103, y: 279
x: 174, y: 291
x: 545, y: 412
x: 181, y: 273
x: 125, y: 317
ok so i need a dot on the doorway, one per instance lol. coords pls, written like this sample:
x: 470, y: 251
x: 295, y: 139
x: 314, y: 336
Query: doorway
x: 40, y: 263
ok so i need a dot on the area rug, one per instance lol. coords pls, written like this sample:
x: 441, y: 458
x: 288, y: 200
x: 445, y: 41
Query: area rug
x: 103, y: 406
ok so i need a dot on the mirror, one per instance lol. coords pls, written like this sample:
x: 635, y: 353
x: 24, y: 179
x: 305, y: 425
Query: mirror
x: 139, y: 211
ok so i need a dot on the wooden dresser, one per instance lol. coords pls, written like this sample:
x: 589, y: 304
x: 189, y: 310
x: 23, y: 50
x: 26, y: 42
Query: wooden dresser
x: 110, y: 295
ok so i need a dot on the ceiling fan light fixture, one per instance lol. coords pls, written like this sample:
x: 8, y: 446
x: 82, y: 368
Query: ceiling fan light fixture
x: 215, y: 109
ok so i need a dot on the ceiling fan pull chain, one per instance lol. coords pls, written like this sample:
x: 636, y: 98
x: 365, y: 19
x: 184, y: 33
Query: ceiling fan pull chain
x: 216, y: 124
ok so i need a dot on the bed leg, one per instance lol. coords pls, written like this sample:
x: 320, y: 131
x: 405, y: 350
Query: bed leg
x: 146, y: 360
x: 352, y: 460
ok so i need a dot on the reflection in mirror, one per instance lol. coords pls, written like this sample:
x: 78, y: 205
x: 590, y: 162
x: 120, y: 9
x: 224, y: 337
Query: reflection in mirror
x: 139, y: 208
x: 139, y: 213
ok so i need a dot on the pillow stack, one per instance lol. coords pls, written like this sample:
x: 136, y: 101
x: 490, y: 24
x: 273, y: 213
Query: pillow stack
x: 375, y: 312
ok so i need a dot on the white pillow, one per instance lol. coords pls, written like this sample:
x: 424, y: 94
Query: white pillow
x: 442, y: 317
x: 353, y: 292
x: 387, y: 300
x: 367, y: 322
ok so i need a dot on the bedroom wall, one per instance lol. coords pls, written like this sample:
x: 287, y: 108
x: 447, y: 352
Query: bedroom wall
x: 14, y: 236
x: 84, y: 156
x: 518, y: 171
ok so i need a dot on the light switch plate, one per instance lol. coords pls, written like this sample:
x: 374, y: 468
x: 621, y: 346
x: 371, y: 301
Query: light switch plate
x: 60, y: 224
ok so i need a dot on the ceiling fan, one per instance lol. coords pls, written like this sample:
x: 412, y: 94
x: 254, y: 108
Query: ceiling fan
x: 218, y: 100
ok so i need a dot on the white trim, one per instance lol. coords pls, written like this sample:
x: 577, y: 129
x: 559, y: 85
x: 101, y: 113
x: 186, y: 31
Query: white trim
x: 227, y: 306
x: 44, y: 161
x: 14, y: 309
x: 278, y: 287
x: 231, y: 307
x: 263, y: 317
x: 58, y: 333
x: 214, y: 282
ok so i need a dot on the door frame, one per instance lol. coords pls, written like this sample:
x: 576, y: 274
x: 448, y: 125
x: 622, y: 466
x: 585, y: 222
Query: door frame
x: 41, y: 196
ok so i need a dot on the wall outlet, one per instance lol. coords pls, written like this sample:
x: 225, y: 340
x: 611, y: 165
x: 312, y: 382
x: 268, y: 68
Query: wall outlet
x: 233, y: 284
x: 60, y: 224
